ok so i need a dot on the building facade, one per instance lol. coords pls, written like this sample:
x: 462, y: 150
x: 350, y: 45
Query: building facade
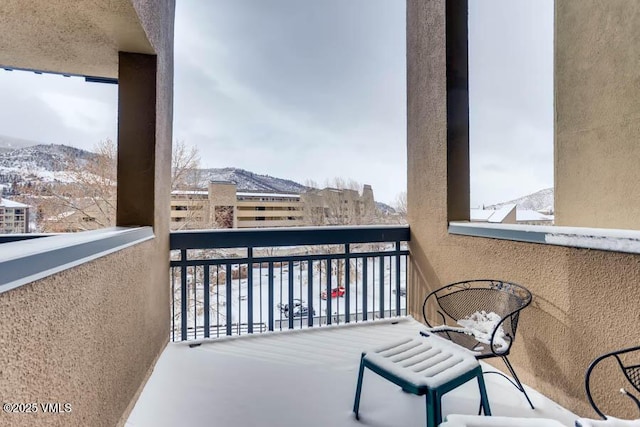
x: 269, y: 210
x: 223, y: 206
x: 334, y: 206
x: 14, y: 217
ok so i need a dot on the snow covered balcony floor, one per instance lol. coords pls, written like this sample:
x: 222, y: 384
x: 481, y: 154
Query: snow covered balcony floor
x: 304, y: 378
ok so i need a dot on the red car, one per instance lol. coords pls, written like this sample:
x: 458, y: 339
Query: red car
x: 335, y: 292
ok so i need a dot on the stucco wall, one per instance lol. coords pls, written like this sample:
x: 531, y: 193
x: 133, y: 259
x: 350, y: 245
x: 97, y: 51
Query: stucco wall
x: 597, y: 101
x: 87, y: 336
x: 585, y: 301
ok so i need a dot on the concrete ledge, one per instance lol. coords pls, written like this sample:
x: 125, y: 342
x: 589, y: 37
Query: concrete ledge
x: 603, y: 239
x: 25, y: 261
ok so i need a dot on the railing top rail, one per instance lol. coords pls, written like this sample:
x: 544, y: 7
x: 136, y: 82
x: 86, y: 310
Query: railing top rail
x: 8, y: 238
x: 287, y: 236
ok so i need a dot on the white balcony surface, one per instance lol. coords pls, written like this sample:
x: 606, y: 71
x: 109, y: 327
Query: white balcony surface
x: 305, y: 378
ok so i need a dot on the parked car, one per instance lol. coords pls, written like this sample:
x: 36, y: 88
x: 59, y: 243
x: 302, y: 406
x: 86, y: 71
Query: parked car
x: 300, y: 309
x: 403, y: 291
x: 335, y: 292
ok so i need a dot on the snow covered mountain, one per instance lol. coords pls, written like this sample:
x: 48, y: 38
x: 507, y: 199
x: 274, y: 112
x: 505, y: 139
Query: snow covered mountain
x: 39, y: 163
x: 48, y: 162
x: 249, y: 181
x: 50, y: 157
x: 9, y: 143
x: 539, y: 201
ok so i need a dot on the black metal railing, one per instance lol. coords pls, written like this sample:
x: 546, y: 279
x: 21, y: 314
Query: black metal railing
x: 234, y: 282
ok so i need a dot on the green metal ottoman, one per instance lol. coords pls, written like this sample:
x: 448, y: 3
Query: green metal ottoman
x: 429, y: 366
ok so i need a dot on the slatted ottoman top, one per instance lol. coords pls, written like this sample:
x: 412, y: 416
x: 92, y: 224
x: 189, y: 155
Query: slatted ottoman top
x: 423, y: 361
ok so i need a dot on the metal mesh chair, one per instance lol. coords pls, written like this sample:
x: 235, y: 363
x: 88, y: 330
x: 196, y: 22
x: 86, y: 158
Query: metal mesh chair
x: 631, y: 373
x: 461, y: 300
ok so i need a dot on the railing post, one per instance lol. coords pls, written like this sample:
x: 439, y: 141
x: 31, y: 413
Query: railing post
x: 271, y: 296
x: 290, y: 311
x: 250, y: 290
x: 173, y: 303
x: 382, y: 287
x: 207, y: 303
x: 228, y: 302
x: 347, y: 274
x: 397, y: 255
x: 310, y: 292
x: 183, y: 294
x: 329, y: 311
x: 365, y: 274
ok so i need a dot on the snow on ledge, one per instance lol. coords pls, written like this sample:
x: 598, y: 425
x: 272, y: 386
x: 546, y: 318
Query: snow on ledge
x: 579, y: 237
x: 25, y: 261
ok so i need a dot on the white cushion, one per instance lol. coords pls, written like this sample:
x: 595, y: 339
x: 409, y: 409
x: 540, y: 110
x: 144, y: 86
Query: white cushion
x: 423, y: 361
x: 482, y: 421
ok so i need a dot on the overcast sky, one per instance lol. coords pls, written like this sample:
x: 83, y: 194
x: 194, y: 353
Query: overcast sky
x: 303, y: 89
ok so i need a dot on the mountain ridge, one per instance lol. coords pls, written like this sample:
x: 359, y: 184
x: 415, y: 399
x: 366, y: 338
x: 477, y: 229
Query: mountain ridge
x: 542, y: 200
x: 47, y: 163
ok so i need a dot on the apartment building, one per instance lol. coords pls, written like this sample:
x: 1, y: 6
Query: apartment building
x: 189, y: 209
x: 335, y: 206
x: 269, y: 210
x: 222, y: 206
x: 14, y: 217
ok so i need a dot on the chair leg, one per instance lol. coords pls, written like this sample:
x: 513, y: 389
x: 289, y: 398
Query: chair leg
x: 484, y: 400
x: 356, y: 403
x: 515, y: 377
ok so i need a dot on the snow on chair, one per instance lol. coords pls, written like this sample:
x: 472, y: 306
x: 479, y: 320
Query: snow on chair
x: 479, y: 315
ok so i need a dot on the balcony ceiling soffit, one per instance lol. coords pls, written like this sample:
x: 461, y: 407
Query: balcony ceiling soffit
x: 69, y: 36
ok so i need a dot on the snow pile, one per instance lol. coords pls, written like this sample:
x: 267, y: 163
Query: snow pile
x: 609, y: 422
x: 481, y: 325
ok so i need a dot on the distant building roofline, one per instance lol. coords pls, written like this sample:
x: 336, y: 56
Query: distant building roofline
x: 11, y: 204
x: 261, y: 194
x: 222, y: 182
x: 185, y: 192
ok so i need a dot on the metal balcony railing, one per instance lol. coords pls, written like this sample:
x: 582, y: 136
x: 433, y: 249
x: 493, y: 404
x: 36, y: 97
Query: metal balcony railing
x: 234, y: 282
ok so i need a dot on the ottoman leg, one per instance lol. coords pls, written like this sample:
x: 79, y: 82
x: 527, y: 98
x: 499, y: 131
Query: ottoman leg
x: 356, y: 403
x: 484, y: 400
x: 433, y: 408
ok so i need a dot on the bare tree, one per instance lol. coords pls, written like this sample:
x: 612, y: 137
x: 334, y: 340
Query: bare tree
x: 341, y: 202
x: 87, y: 198
x: 185, y: 164
x: 400, y: 206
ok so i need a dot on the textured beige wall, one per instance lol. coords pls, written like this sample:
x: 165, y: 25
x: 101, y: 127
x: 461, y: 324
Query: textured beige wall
x: 70, y: 36
x: 597, y: 98
x: 86, y: 336
x: 585, y: 301
x: 90, y: 335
